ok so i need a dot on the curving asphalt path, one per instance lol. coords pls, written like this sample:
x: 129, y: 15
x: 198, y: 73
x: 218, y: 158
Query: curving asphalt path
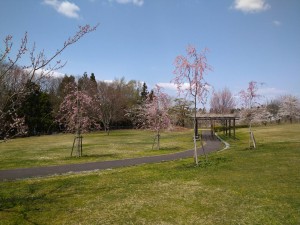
x: 212, y: 144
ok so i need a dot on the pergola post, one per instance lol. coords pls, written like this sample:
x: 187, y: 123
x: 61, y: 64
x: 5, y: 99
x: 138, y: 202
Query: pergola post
x: 234, y: 127
x: 211, y: 128
x: 229, y: 127
x: 228, y: 122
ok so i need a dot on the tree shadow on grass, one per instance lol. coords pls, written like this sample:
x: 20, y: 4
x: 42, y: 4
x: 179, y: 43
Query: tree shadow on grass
x: 100, y: 156
x: 171, y: 149
x: 92, y: 156
x: 210, y: 162
x: 22, y: 205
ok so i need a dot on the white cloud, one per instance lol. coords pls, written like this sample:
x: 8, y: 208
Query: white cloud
x: 270, y: 92
x: 276, y: 23
x: 173, y: 87
x: 134, y: 2
x: 251, y: 6
x: 108, y: 81
x: 56, y: 74
x: 168, y: 86
x: 43, y: 72
x: 65, y: 8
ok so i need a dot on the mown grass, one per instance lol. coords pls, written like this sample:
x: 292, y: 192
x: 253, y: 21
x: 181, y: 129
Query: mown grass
x: 235, y: 186
x: 120, y: 144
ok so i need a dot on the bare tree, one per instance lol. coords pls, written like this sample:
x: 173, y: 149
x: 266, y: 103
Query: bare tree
x: 105, y: 101
x: 189, y: 79
x: 115, y: 99
x: 13, y: 77
x: 222, y: 101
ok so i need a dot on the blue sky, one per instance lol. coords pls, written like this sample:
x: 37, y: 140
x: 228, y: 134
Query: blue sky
x: 139, y: 39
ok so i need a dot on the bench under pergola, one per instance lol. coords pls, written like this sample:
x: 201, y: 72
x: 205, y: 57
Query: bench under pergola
x: 228, y: 121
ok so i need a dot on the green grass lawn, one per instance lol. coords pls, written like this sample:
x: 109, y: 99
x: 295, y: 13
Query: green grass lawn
x: 120, y: 144
x: 235, y: 186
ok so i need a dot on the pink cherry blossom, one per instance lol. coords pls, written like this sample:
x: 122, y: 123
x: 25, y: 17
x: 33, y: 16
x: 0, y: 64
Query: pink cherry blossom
x: 190, y: 70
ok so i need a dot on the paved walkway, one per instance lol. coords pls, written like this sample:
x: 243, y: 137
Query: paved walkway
x: 212, y: 144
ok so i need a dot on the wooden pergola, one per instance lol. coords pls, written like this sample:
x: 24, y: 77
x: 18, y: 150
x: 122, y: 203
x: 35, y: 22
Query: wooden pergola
x: 228, y: 121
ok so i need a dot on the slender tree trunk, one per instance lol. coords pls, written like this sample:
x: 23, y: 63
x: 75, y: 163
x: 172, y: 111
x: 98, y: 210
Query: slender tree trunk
x: 250, y: 135
x: 78, y: 146
x: 156, y: 137
x: 195, y: 138
x: 252, y: 142
x: 73, y: 146
x: 158, y: 140
x: 78, y: 138
x: 154, y: 142
x: 107, y: 129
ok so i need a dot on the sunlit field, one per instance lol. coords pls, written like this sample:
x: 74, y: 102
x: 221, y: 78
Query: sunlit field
x: 120, y: 144
x: 235, y: 186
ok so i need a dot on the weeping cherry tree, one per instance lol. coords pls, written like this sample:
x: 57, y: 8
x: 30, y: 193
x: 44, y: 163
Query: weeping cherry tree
x: 189, y: 80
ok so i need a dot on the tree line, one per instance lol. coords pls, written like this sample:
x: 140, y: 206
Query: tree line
x: 248, y: 105
x: 53, y: 104
x: 50, y: 105
x: 34, y: 102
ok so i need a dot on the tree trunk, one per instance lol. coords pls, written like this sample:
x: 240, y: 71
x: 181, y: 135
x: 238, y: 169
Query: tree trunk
x: 252, y: 142
x: 78, y: 138
x: 107, y: 130
x: 78, y: 144
x: 158, y: 141
x: 195, y: 138
x: 157, y: 136
x: 106, y: 127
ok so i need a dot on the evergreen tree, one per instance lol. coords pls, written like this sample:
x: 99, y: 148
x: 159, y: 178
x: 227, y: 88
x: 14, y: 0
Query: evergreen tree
x: 62, y: 90
x: 93, y: 82
x: 181, y: 111
x: 93, y: 78
x: 37, y: 110
x: 83, y: 82
x: 144, y: 92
